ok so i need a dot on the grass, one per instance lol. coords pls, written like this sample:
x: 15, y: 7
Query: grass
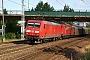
x: 0, y: 38
x: 8, y: 40
x: 87, y: 56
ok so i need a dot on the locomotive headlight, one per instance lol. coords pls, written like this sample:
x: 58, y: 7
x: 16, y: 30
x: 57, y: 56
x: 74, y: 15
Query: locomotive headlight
x: 28, y: 31
x: 36, y: 31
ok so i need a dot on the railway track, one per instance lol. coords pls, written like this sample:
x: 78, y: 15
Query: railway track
x: 46, y: 51
x: 68, y: 50
x: 55, y: 51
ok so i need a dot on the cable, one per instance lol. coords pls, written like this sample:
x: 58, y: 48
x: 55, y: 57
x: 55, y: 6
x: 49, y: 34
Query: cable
x: 59, y: 2
x: 16, y: 3
x: 29, y: 3
x: 63, y: 1
x: 85, y: 3
x: 88, y: 1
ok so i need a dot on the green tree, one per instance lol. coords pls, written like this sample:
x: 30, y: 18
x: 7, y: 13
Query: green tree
x: 11, y: 26
x: 44, y: 7
x: 47, y: 7
x: 0, y: 24
x: 39, y: 6
x: 5, y: 11
x: 70, y: 22
x: 71, y: 10
x: 32, y: 9
x: 67, y: 9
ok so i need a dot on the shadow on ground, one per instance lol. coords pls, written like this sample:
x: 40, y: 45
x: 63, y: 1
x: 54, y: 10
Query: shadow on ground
x: 67, y: 52
x: 20, y: 42
x: 24, y: 42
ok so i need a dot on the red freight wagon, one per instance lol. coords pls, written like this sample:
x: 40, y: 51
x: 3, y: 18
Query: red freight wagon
x: 37, y: 30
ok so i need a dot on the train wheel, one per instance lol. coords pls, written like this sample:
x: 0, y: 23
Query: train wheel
x: 32, y: 40
x: 54, y: 39
x: 61, y: 38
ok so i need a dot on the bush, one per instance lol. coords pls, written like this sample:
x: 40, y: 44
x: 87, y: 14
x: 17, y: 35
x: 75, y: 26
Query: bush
x: 10, y: 36
x: 18, y: 36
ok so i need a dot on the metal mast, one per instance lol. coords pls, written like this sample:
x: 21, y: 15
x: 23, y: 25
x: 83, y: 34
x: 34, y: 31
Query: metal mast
x: 23, y: 21
x: 28, y: 4
x: 3, y: 26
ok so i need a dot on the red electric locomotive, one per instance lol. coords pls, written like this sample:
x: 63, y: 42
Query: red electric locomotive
x: 67, y: 30
x: 37, y: 30
x: 40, y: 30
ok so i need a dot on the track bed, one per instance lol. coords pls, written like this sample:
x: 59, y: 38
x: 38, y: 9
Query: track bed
x: 66, y: 49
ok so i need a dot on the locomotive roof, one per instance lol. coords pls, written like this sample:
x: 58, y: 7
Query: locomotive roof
x: 52, y: 23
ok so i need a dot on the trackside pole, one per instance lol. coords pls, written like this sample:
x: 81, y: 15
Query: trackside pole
x: 23, y: 21
x: 3, y: 25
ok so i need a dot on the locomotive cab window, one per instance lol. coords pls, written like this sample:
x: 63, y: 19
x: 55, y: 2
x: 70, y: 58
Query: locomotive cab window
x: 37, y: 25
x: 30, y: 24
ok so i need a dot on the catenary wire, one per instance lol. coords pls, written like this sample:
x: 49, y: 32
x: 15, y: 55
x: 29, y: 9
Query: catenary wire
x: 59, y: 2
x: 85, y: 3
x: 17, y: 3
x: 29, y: 3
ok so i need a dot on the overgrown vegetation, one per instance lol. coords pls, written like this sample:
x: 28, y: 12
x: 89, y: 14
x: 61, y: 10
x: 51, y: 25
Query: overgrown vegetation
x: 12, y: 30
x: 87, y: 55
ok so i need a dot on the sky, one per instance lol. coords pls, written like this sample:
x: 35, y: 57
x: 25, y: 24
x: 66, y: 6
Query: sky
x: 77, y: 5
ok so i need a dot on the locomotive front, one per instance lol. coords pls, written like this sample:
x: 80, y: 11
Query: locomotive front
x: 32, y: 30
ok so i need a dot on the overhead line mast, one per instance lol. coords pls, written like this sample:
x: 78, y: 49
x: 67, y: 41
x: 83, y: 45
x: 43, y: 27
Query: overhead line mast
x: 28, y: 4
x: 23, y: 21
x: 3, y: 25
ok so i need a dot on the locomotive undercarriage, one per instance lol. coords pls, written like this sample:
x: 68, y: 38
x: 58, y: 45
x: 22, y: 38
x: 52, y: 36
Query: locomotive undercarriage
x: 35, y: 39
x: 32, y: 39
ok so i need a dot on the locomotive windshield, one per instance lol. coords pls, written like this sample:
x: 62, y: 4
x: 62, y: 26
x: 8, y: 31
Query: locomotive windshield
x: 34, y: 24
x: 30, y: 24
x: 37, y: 25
